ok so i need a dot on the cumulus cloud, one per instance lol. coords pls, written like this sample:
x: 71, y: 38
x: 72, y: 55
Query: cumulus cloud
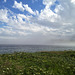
x: 4, y: 15
x: 48, y: 14
x: 24, y: 7
x: 27, y: 8
x: 16, y: 25
x: 18, y: 6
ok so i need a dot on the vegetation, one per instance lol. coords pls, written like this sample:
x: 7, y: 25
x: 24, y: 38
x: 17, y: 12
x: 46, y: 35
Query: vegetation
x: 38, y: 63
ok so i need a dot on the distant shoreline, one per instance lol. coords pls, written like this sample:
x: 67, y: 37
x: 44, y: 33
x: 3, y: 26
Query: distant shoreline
x: 36, y: 45
x: 42, y: 52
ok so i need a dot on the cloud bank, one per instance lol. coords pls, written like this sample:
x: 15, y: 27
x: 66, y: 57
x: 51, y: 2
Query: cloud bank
x: 48, y: 26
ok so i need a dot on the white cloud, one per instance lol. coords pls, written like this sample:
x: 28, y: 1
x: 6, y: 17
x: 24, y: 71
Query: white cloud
x: 5, y: 0
x: 58, y: 9
x: 16, y: 26
x: 4, y: 15
x: 24, y: 7
x: 49, y: 15
x: 18, y: 6
x: 73, y: 1
x: 27, y: 8
x: 48, y: 2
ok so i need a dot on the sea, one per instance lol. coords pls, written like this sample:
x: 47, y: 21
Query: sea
x: 32, y: 48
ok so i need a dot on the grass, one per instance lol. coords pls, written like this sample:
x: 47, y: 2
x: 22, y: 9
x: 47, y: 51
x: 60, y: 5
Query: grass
x: 38, y: 63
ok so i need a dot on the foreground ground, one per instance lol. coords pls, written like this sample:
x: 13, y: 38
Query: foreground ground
x: 39, y: 63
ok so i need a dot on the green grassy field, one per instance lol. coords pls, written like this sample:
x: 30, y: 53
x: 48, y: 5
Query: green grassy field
x: 38, y: 63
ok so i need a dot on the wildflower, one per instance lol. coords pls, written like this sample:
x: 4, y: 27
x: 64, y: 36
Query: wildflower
x: 3, y: 71
x: 40, y: 69
x: 7, y: 68
x: 20, y: 70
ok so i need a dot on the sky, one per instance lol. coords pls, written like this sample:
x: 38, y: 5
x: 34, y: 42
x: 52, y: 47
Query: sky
x: 37, y: 22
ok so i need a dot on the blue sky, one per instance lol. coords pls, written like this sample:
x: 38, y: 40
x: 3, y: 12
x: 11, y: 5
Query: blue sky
x: 45, y: 22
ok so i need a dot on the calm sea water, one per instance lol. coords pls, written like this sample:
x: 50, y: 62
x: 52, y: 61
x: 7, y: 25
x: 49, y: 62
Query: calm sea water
x: 32, y: 48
